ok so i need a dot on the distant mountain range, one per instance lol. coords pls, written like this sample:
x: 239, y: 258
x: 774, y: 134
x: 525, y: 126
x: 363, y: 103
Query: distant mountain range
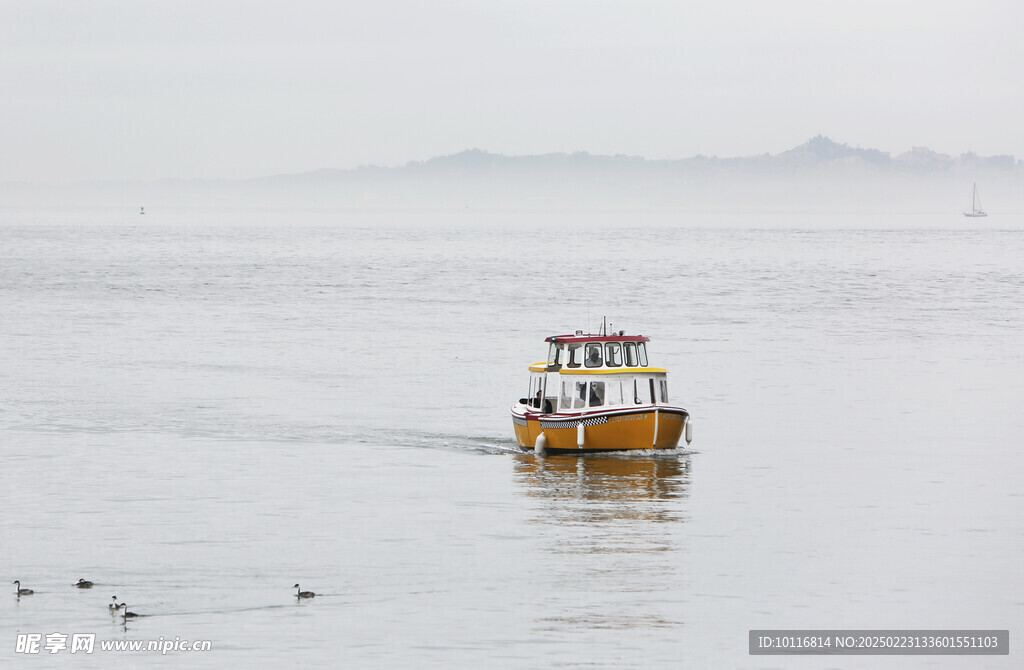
x: 820, y: 172
x: 816, y: 153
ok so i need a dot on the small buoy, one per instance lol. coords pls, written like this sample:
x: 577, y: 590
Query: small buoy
x: 540, y: 448
x: 579, y: 435
x: 689, y: 430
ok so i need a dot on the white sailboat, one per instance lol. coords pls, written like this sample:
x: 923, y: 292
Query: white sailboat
x: 976, y: 209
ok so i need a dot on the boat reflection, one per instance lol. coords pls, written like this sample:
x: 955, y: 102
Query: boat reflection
x: 633, y: 486
x: 611, y: 542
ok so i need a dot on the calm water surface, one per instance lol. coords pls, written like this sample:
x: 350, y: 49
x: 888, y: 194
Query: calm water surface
x: 198, y: 412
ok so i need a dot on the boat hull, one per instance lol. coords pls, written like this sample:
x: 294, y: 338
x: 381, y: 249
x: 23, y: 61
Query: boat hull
x: 648, y: 427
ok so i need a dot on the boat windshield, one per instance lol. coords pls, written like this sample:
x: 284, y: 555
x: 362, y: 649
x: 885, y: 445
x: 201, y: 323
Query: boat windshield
x: 575, y: 356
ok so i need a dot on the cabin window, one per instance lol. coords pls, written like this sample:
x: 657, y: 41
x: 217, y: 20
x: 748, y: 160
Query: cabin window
x: 535, y: 399
x: 554, y: 354
x: 613, y: 354
x: 664, y: 390
x: 596, y: 394
x: 593, y: 355
x: 580, y: 397
x: 614, y: 396
x: 642, y: 392
x: 630, y: 349
x: 565, y: 401
x: 641, y: 349
x: 575, y: 357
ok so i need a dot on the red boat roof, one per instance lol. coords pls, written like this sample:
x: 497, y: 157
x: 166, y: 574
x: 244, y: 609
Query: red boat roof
x: 598, y: 338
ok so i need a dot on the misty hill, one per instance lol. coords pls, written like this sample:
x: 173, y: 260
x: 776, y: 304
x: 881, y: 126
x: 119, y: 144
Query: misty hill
x: 818, y: 173
x: 816, y: 155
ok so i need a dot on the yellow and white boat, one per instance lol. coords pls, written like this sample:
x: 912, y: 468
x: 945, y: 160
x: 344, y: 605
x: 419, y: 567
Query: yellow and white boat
x: 598, y: 393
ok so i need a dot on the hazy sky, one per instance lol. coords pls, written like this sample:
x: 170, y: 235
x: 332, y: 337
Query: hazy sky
x: 116, y: 89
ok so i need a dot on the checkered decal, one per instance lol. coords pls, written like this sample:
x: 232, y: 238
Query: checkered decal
x: 573, y: 423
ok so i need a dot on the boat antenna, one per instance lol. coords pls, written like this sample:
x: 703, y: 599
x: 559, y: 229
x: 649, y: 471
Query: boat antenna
x: 588, y: 317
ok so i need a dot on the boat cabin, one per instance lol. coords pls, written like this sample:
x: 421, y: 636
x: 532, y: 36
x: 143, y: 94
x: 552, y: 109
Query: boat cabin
x: 586, y: 373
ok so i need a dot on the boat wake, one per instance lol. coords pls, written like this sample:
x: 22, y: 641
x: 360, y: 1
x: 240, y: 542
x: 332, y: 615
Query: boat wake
x: 285, y: 433
x: 421, y: 440
x: 331, y: 435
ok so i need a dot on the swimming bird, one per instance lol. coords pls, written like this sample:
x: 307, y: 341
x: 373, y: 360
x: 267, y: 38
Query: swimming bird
x: 21, y: 591
x: 113, y: 607
x: 303, y: 594
x: 84, y: 584
x: 127, y: 614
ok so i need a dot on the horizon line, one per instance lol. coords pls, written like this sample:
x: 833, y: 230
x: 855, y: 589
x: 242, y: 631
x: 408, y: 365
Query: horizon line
x: 822, y: 140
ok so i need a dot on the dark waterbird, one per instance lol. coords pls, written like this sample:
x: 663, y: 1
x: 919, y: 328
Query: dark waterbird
x: 113, y: 607
x: 84, y: 584
x: 21, y: 591
x: 303, y: 594
x: 127, y: 614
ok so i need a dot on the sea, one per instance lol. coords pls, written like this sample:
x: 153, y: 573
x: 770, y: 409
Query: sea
x: 200, y: 408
